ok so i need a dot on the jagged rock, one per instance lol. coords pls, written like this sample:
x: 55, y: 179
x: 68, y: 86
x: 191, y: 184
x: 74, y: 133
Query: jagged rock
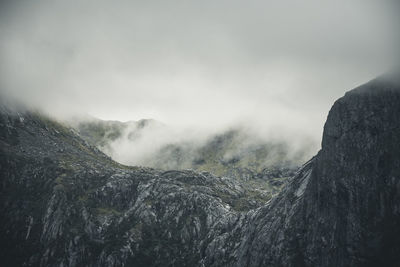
x: 342, y: 208
x: 64, y: 203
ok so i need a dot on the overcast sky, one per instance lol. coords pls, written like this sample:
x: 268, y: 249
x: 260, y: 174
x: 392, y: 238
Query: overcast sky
x: 210, y: 63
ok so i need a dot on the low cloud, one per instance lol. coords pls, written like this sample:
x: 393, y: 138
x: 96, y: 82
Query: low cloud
x: 207, y: 65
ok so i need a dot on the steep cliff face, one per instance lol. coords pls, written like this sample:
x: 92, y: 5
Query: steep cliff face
x: 343, y: 207
x: 357, y: 177
x: 64, y: 203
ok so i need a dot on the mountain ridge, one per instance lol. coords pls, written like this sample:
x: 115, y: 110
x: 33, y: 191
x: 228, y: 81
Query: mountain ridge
x: 66, y: 204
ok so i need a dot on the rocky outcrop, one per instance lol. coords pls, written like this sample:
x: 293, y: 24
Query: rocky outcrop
x: 342, y: 208
x: 64, y: 203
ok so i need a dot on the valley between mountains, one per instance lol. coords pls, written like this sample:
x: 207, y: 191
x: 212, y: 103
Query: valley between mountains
x: 66, y: 203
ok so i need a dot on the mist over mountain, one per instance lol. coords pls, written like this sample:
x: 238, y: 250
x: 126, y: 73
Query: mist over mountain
x: 274, y: 64
x: 65, y: 203
x: 154, y: 144
x: 266, y: 71
x: 262, y: 163
x: 199, y: 133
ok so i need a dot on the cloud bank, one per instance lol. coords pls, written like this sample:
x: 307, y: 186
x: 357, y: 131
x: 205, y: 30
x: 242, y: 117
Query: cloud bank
x: 276, y: 65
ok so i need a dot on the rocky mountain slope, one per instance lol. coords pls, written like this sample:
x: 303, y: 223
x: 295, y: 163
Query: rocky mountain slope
x: 64, y: 203
x: 342, y: 209
x: 234, y: 153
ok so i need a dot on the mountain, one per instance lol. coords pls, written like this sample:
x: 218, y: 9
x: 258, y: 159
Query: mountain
x: 261, y: 168
x: 101, y: 133
x: 64, y: 203
x: 342, y: 208
x: 235, y: 153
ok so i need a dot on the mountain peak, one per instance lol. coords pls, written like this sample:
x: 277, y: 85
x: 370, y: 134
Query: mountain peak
x: 64, y: 203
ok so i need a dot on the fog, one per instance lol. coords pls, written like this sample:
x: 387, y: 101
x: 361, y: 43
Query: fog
x: 162, y: 146
x: 277, y: 66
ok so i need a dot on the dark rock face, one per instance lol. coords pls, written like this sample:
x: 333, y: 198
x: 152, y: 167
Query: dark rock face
x: 358, y: 170
x: 64, y: 203
x: 342, y: 208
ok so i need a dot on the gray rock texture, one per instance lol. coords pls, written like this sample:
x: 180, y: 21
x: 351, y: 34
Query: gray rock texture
x: 64, y: 203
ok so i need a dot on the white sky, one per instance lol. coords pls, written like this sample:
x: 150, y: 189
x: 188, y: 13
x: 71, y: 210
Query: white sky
x: 276, y: 64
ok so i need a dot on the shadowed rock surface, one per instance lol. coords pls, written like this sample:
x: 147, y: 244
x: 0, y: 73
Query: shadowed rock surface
x: 261, y: 167
x: 343, y: 207
x: 64, y: 203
